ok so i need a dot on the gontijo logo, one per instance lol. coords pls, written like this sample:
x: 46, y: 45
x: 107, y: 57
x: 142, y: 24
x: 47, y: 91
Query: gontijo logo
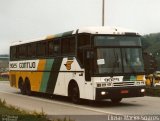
x: 24, y: 65
x: 68, y: 64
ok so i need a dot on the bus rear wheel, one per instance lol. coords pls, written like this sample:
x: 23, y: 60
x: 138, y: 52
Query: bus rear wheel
x: 28, y: 87
x: 116, y: 100
x: 22, y: 88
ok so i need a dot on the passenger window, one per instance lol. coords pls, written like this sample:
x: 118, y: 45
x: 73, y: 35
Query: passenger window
x: 13, y: 53
x: 56, y: 47
x: 32, y: 50
x: 50, y: 48
x: 41, y: 49
x: 83, y: 40
x: 22, y: 51
x: 68, y: 45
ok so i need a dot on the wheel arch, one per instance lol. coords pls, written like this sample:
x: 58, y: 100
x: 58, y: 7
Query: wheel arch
x: 71, y: 84
x: 20, y: 82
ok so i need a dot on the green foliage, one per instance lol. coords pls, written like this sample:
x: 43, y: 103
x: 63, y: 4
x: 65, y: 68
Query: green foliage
x: 22, y: 115
x: 151, y: 44
x: 4, y: 79
x: 153, y: 91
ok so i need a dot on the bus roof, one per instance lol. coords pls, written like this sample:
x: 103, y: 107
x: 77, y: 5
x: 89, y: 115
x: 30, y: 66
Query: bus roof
x: 90, y: 30
x: 106, y: 30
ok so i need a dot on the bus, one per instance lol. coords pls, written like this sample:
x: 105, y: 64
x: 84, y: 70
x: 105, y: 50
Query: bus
x: 93, y: 63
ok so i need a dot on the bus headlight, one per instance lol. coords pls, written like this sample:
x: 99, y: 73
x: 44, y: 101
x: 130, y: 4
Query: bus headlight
x: 142, y: 90
x: 103, y: 93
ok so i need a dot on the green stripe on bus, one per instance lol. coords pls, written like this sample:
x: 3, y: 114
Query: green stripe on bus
x: 45, y: 77
x: 129, y: 78
x: 54, y: 75
x: 132, y: 78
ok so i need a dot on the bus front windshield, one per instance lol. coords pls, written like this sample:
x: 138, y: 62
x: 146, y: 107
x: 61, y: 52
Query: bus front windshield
x: 112, y: 60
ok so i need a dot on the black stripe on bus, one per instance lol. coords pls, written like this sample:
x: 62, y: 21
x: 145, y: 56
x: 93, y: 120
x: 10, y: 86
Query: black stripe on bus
x: 54, y: 75
x: 49, y: 71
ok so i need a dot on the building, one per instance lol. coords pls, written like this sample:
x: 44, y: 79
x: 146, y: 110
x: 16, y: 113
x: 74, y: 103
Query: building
x: 4, y: 63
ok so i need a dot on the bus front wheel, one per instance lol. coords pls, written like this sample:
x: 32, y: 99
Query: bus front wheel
x: 75, y: 95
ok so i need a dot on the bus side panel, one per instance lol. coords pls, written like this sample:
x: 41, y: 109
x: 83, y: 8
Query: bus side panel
x: 13, y: 79
x: 53, y: 76
x: 46, y: 75
x: 70, y: 70
x: 34, y: 78
x: 51, y: 79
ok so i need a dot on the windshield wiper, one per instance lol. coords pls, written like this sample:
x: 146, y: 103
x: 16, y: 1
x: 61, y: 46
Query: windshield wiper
x: 129, y: 64
x: 116, y: 62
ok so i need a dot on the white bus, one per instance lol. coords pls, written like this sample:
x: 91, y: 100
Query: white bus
x: 93, y: 63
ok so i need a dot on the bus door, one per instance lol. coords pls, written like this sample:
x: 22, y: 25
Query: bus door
x: 88, y: 62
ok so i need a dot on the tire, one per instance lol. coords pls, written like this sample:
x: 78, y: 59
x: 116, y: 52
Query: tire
x: 28, y: 87
x: 23, y: 89
x: 75, y: 98
x: 116, y: 100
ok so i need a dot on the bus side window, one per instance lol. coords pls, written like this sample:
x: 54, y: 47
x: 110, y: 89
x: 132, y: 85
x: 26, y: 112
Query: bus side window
x: 56, y: 47
x: 50, y: 48
x: 82, y: 42
x: 68, y: 45
x: 23, y: 51
x: 41, y: 49
x: 32, y: 50
x: 13, y: 53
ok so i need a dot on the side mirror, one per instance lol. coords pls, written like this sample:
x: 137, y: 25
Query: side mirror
x: 146, y: 77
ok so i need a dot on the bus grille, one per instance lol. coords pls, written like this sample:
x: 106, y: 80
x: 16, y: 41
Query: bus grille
x: 126, y: 83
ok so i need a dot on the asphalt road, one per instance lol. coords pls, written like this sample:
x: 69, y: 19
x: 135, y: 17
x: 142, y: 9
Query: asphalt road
x: 61, y: 106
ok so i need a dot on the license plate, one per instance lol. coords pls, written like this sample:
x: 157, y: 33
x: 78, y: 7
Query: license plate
x: 124, y: 91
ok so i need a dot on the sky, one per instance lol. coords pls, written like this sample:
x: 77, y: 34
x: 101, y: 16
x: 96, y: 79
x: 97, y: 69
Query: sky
x: 30, y: 19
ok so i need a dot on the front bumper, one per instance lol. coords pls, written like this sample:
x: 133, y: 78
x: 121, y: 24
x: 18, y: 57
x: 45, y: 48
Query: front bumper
x: 119, y: 92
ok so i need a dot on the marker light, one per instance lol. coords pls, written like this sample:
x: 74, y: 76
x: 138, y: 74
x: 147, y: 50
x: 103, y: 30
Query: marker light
x: 103, y: 85
x: 142, y: 82
x: 138, y: 83
x: 98, y: 85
